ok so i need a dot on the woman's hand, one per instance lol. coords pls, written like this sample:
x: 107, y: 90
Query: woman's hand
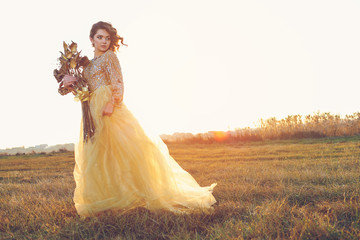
x: 108, y: 109
x: 68, y: 81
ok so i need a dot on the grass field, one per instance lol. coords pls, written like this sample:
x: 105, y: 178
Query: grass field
x: 294, y: 189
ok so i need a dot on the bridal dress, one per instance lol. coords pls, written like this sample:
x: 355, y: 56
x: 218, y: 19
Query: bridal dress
x: 122, y: 167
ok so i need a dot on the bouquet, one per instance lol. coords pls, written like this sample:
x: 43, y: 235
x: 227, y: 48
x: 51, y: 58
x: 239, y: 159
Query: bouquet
x: 71, y: 63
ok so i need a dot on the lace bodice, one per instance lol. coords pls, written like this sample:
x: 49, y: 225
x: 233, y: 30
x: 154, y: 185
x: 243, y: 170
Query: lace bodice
x: 106, y: 70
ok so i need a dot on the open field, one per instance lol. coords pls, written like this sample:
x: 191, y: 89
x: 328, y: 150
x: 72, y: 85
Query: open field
x: 293, y: 189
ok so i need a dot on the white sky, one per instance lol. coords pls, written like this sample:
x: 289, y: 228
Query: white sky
x: 191, y: 65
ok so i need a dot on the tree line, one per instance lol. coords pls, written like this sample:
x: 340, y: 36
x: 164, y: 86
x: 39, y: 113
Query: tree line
x: 317, y: 125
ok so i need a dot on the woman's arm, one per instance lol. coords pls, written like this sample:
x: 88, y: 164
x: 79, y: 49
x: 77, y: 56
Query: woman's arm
x: 113, y: 70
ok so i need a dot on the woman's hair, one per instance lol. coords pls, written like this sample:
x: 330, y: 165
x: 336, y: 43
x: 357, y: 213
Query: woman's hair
x: 114, y: 37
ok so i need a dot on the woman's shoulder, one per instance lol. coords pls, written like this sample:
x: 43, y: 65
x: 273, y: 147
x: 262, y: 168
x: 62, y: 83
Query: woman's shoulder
x: 111, y: 57
x: 110, y: 53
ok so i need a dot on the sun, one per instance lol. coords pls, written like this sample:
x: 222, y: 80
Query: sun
x: 220, y: 136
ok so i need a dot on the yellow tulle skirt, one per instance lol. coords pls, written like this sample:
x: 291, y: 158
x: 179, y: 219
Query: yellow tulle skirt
x: 123, y: 168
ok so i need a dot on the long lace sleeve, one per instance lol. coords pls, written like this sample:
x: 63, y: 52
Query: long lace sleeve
x: 116, y: 79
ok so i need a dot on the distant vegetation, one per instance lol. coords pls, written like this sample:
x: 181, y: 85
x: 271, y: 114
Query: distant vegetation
x: 292, y: 127
x: 38, y: 149
x: 318, y: 125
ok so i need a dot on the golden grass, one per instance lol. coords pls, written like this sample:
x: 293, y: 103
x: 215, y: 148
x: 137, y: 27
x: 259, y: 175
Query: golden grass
x: 294, y: 189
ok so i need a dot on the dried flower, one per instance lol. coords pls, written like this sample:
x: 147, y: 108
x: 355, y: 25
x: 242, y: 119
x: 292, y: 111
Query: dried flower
x: 82, y: 94
x: 73, y: 47
x: 71, y: 63
x: 65, y: 46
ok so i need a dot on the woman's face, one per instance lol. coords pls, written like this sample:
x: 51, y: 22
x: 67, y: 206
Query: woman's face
x: 101, y: 41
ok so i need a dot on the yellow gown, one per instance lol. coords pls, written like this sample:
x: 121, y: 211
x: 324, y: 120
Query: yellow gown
x: 122, y: 167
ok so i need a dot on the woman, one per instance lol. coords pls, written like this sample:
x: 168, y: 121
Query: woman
x: 122, y: 168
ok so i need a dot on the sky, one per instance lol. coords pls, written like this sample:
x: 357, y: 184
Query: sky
x: 190, y: 65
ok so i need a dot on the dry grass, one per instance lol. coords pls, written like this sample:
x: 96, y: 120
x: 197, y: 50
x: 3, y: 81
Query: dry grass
x: 294, y: 189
